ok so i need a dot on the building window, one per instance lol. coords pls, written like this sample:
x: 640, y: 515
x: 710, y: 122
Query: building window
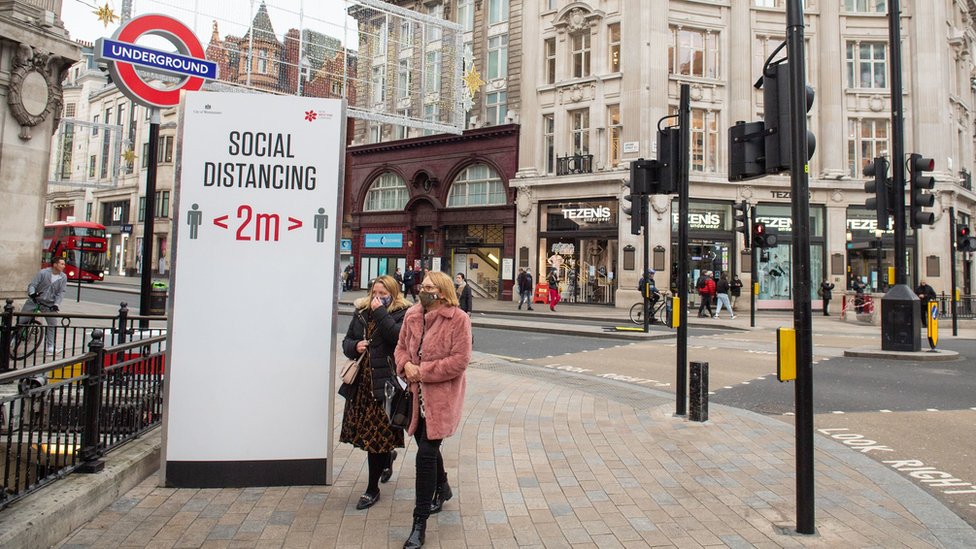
x: 379, y: 84
x: 581, y: 54
x: 88, y: 210
x: 434, y: 32
x: 431, y: 114
x: 693, y: 53
x: 549, y: 141
x: 375, y: 132
x: 613, y: 47
x: 262, y: 61
x: 95, y: 121
x: 765, y: 3
x: 403, y: 79
x: 403, y: 132
x: 550, y: 64
x: 704, y: 141
x: 337, y: 88
x: 866, y: 139
x: 165, y: 152
x: 69, y: 110
x: 867, y: 65
x: 497, y: 107
x: 614, y: 130
x: 162, y: 204
x: 477, y: 185
x: 432, y: 74
x: 465, y: 15
x: 497, y: 11
x: 406, y: 34
x: 497, y: 57
x: 142, y: 209
x: 388, y: 192
x: 580, y: 124
x: 92, y: 161
x: 866, y: 6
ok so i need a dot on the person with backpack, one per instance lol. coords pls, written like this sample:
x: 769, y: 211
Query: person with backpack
x: 524, y: 281
x: 706, y: 289
x: 648, y: 289
x: 410, y: 283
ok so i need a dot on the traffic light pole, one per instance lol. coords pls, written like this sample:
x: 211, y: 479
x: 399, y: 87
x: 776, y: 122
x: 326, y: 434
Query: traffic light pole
x: 684, y: 142
x: 647, y: 265
x: 802, y: 319
x: 149, y: 217
x: 952, y: 269
x: 754, y: 275
x: 897, y: 144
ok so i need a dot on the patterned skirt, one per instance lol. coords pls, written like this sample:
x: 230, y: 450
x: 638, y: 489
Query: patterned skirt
x: 364, y: 422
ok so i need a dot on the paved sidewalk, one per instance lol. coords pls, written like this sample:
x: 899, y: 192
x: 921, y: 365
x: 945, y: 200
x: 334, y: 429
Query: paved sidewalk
x: 547, y: 460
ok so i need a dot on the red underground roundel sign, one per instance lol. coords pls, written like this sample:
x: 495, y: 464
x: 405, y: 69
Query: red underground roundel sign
x: 122, y: 55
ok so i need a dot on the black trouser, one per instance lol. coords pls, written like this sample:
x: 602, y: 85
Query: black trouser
x: 826, y: 303
x: 706, y: 303
x: 430, y: 469
x: 925, y: 312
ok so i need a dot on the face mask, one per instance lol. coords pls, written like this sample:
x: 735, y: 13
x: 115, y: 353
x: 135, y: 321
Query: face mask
x: 428, y: 298
x: 386, y: 301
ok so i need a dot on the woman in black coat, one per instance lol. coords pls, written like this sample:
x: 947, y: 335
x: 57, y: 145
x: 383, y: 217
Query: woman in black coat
x: 374, y: 330
x: 463, y: 293
x: 825, y: 294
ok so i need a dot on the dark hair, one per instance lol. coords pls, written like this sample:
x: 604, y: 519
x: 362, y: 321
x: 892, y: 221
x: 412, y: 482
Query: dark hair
x: 462, y: 276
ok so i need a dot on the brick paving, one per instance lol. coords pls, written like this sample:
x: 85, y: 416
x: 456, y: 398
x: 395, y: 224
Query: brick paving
x: 547, y: 459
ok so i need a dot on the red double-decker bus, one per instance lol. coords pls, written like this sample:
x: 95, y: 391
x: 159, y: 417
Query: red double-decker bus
x: 82, y: 244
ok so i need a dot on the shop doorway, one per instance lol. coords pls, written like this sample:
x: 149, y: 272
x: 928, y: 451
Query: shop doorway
x: 480, y: 267
x: 586, y: 268
x: 703, y: 255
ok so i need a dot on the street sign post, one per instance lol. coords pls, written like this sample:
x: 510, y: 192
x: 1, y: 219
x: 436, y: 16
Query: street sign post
x: 254, y: 291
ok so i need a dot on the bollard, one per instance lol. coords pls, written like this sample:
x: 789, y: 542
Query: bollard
x: 6, y: 327
x: 91, y: 448
x: 698, y: 392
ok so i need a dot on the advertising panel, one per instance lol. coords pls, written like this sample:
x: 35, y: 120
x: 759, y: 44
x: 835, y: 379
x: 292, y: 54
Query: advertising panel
x: 253, y: 293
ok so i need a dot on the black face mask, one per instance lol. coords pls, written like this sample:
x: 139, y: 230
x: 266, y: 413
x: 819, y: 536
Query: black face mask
x: 428, y: 298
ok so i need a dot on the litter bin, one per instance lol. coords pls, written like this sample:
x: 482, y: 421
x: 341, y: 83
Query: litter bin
x: 157, y: 299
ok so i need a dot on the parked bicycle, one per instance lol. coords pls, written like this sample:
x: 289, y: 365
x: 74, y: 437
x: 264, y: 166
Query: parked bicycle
x: 659, y: 311
x: 26, y: 338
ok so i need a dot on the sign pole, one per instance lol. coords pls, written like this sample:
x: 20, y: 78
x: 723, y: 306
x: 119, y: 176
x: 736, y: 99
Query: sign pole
x: 149, y: 216
x: 754, y: 275
x: 952, y: 269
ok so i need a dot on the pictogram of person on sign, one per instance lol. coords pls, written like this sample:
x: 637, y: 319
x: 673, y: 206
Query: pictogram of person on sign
x: 194, y: 218
x: 321, y: 223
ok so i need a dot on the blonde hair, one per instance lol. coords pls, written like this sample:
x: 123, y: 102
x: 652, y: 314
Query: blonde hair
x: 445, y: 287
x: 392, y: 286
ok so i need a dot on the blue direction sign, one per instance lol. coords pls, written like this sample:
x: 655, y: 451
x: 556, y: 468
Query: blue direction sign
x: 384, y: 240
x: 161, y: 61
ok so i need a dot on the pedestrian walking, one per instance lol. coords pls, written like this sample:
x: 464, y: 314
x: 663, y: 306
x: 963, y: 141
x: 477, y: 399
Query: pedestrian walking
x: 433, y: 354
x: 826, y: 288
x: 350, y: 275
x: 463, y: 291
x: 410, y: 283
x: 735, y: 289
x: 398, y: 276
x: 373, y: 330
x: 722, y: 296
x: 45, y: 292
x: 925, y: 294
x: 706, y: 288
x: 554, y: 297
x: 525, y: 288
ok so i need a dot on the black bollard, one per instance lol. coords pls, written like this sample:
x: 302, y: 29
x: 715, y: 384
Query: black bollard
x: 698, y: 392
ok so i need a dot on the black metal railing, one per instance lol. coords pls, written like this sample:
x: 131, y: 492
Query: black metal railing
x: 576, y: 163
x: 64, y: 415
x: 965, y: 307
x: 24, y: 339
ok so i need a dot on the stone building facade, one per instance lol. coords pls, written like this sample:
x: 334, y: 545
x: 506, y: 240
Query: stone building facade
x: 596, y: 78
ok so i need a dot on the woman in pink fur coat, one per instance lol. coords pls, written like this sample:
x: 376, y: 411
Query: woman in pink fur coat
x: 433, y: 354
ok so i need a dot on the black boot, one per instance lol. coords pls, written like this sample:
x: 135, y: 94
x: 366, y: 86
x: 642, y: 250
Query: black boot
x: 441, y: 494
x: 417, y: 534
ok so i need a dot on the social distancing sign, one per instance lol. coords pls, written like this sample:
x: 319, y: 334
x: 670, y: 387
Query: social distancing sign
x: 253, y: 304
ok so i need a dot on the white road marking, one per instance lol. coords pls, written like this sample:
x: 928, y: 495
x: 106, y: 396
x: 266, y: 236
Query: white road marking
x: 931, y: 410
x: 745, y: 383
x: 727, y: 387
x: 885, y: 411
x: 789, y: 414
x: 838, y: 412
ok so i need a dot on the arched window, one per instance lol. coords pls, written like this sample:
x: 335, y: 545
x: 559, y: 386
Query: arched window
x: 388, y: 192
x: 477, y: 185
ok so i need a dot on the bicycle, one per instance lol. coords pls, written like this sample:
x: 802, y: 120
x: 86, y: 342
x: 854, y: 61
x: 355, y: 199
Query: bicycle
x: 659, y: 312
x: 26, y: 338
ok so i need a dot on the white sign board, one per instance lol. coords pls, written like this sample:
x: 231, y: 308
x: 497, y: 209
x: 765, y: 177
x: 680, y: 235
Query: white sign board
x: 253, y: 304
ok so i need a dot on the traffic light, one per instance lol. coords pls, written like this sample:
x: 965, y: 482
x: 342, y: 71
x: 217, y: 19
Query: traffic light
x: 920, y: 183
x: 639, y: 181
x: 763, y: 237
x: 741, y: 215
x: 878, y: 190
x: 776, y: 118
x: 746, y: 156
x: 668, y: 161
x: 965, y: 242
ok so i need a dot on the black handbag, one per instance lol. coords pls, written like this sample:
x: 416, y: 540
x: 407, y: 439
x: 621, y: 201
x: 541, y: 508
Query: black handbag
x: 398, y: 403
